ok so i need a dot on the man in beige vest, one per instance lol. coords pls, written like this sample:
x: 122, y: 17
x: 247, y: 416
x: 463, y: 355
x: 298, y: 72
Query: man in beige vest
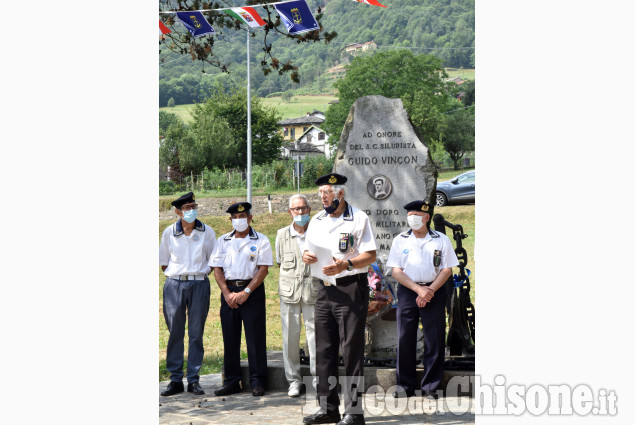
x: 297, y: 291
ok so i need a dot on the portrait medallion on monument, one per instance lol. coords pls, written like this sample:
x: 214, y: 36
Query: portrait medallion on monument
x: 379, y: 187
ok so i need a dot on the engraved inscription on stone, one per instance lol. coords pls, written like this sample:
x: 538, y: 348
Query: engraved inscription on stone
x: 379, y: 187
x: 387, y: 165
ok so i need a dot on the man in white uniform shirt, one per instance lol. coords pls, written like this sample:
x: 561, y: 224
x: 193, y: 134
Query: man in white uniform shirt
x: 297, y: 290
x: 241, y: 261
x: 421, y: 261
x: 340, y: 309
x: 185, y: 249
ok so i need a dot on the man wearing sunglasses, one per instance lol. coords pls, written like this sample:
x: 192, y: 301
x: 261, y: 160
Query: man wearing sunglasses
x: 185, y: 249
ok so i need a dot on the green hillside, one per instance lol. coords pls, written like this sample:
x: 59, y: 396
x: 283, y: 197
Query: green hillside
x: 443, y: 28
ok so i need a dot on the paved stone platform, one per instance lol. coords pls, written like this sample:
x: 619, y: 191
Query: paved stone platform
x: 275, y: 407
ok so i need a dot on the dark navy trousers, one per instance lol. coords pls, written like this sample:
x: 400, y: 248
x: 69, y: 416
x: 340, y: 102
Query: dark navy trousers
x: 252, y: 314
x: 433, y: 322
x: 183, y: 298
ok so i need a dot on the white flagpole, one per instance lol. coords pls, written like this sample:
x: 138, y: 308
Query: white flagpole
x: 248, y: 123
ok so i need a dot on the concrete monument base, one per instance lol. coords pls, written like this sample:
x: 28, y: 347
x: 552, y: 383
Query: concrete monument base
x: 385, y: 377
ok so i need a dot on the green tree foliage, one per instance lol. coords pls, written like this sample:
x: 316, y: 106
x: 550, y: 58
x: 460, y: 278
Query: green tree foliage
x: 442, y: 28
x: 231, y: 106
x: 287, y: 96
x: 171, y: 102
x: 416, y: 79
x: 458, y: 136
x: 166, y: 119
x: 469, y: 87
x: 204, y: 48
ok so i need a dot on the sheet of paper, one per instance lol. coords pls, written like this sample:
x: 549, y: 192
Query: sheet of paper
x: 324, y: 258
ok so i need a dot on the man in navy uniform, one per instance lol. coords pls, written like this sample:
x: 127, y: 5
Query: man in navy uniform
x: 421, y: 261
x: 185, y: 249
x: 341, y: 308
x: 241, y: 260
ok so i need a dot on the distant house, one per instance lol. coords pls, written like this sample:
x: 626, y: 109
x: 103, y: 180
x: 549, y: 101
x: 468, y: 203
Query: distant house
x: 312, y: 142
x: 292, y: 128
x: 356, y: 48
x: 457, y: 80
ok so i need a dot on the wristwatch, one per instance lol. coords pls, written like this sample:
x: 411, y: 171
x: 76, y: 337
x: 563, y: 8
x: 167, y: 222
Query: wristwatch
x: 247, y: 290
x: 350, y: 266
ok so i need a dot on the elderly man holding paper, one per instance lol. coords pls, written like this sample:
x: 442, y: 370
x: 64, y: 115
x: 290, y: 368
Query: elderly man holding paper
x: 339, y: 245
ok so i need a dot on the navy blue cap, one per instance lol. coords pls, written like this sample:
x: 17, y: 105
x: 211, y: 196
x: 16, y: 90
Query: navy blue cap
x: 239, y: 207
x: 185, y: 199
x: 332, y: 178
x: 422, y: 206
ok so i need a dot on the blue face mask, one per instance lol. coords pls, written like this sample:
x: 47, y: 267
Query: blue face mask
x: 333, y: 207
x: 301, y: 220
x: 190, y: 215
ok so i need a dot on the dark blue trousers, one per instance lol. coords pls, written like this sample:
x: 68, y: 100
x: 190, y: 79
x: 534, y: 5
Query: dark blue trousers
x: 252, y: 314
x: 433, y: 321
x: 181, y: 297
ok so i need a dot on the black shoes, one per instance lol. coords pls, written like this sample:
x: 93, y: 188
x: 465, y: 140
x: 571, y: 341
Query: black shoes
x: 403, y: 393
x: 195, y: 388
x: 257, y: 391
x: 352, y: 420
x: 229, y: 389
x: 173, y: 388
x: 322, y: 417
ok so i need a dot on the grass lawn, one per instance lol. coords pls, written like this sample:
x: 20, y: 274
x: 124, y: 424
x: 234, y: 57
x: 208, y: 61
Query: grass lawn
x: 299, y: 106
x: 268, y: 224
x: 464, y: 73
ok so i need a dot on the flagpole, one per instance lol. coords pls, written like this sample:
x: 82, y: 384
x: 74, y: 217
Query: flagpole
x: 248, y: 123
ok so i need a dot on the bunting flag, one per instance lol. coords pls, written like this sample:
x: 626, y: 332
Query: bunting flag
x: 195, y: 23
x: 163, y: 29
x: 247, y: 15
x: 297, y: 17
x: 373, y: 2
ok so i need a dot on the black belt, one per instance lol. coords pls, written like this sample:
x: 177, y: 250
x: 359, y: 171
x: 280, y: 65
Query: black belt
x: 347, y: 280
x: 237, y: 282
x: 424, y: 283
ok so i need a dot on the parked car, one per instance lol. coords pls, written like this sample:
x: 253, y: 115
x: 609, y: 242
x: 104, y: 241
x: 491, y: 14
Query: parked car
x: 457, y: 190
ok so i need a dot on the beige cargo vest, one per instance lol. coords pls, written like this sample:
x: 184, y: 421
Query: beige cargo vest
x: 295, y: 275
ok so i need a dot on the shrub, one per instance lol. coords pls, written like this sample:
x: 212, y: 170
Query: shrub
x: 171, y: 102
x: 166, y: 187
x: 314, y: 167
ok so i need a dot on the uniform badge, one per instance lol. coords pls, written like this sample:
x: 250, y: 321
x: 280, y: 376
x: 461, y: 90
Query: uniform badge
x: 346, y: 242
x: 253, y: 248
x: 436, y: 260
x: 332, y: 179
x: 195, y: 238
x: 252, y: 257
x: 241, y: 208
x: 405, y: 251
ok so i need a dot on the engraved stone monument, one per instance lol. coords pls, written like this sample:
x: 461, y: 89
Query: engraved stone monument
x: 387, y: 165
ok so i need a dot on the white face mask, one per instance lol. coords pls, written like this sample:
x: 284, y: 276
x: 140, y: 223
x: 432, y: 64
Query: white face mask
x: 415, y: 221
x: 240, y: 224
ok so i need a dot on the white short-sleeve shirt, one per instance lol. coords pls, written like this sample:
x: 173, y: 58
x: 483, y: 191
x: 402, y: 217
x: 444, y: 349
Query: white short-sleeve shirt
x: 327, y: 231
x: 186, y: 254
x: 240, y: 257
x: 415, y: 255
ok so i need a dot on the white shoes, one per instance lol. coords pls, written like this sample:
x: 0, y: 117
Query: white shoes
x: 295, y: 389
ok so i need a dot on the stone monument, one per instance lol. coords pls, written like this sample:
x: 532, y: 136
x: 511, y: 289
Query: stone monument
x: 387, y: 165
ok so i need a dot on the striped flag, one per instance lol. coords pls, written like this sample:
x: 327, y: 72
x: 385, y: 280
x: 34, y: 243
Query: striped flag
x: 247, y: 15
x: 373, y: 2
